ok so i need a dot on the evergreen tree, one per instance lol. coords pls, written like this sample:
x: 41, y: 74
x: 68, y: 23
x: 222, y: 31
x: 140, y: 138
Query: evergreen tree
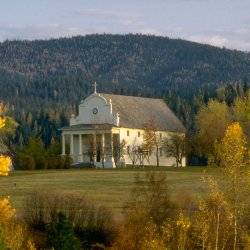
x: 60, y: 234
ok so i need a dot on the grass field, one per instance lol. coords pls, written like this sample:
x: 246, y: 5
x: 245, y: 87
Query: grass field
x: 107, y: 187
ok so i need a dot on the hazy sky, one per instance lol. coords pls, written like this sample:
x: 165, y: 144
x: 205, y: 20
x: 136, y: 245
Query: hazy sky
x: 217, y: 22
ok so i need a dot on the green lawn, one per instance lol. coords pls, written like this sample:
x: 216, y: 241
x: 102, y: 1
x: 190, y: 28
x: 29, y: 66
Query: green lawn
x: 108, y: 187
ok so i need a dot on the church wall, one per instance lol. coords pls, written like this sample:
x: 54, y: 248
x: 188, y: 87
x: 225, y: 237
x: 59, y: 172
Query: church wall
x: 134, y: 140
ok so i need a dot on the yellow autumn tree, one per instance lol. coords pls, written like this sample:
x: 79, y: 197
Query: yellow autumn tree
x: 6, y: 211
x: 7, y: 126
x: 235, y: 163
x: 242, y: 114
x: 211, y: 122
x: 2, y: 122
x: 212, y: 219
x: 183, y: 225
x: 5, y: 164
x: 13, y: 235
x: 233, y: 151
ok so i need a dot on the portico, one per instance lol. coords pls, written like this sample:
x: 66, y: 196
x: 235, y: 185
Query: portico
x: 92, y: 144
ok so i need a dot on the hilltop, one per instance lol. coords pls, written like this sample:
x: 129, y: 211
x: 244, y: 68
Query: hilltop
x: 62, y: 70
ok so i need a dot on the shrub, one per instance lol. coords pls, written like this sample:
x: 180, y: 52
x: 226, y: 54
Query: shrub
x: 41, y: 162
x: 150, y: 197
x: 24, y: 162
x: 91, y: 223
x: 65, y: 162
x: 148, y: 208
x: 53, y: 162
x: 60, y: 234
x: 35, y: 156
x: 13, y: 233
x: 2, y: 241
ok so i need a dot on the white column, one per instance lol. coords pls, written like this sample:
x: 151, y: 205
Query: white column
x: 111, y: 141
x: 80, y: 158
x: 112, y: 149
x: 94, y: 142
x: 72, y: 145
x: 103, y: 146
x: 63, y: 144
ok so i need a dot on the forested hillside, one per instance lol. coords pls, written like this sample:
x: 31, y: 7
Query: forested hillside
x: 43, y: 81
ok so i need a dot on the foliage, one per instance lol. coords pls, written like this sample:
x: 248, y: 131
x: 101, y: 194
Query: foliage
x: 5, y: 165
x: 234, y: 159
x: 91, y: 223
x: 35, y: 156
x: 148, y: 207
x: 13, y: 235
x: 152, y: 194
x: 212, y: 121
x: 60, y: 234
x: 2, y: 122
x: 233, y: 151
x: 7, y: 127
x: 6, y: 211
x: 242, y: 113
x: 132, y: 152
x: 202, y: 224
x: 207, y: 224
x: 175, y: 147
x: 152, y: 140
x: 119, y: 150
x: 213, y: 220
x: 7, y: 124
x: 2, y: 243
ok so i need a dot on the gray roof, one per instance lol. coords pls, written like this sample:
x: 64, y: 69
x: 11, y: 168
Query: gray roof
x: 136, y: 112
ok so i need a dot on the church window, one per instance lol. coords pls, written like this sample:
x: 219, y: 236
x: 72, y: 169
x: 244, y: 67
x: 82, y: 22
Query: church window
x: 139, y: 133
x: 127, y: 132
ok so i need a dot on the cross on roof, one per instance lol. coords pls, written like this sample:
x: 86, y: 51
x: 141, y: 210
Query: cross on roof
x: 95, y: 87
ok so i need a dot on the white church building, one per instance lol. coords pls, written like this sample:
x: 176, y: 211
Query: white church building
x: 109, y: 127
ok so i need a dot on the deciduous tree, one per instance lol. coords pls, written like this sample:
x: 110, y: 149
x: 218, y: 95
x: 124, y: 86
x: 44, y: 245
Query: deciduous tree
x: 13, y: 235
x: 235, y: 163
x: 7, y: 127
x: 211, y: 121
x: 175, y: 147
x: 242, y: 113
x: 152, y: 140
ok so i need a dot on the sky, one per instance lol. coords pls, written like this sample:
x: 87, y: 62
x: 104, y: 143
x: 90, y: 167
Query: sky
x: 223, y: 23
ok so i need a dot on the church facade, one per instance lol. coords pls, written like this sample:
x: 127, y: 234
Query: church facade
x: 109, y: 129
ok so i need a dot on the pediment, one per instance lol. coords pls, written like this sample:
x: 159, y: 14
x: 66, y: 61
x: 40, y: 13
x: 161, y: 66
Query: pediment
x: 94, y: 98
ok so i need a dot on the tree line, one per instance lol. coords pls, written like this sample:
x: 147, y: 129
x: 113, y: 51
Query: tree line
x: 36, y: 143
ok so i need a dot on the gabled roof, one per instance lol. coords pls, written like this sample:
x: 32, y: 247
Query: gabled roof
x: 135, y: 112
